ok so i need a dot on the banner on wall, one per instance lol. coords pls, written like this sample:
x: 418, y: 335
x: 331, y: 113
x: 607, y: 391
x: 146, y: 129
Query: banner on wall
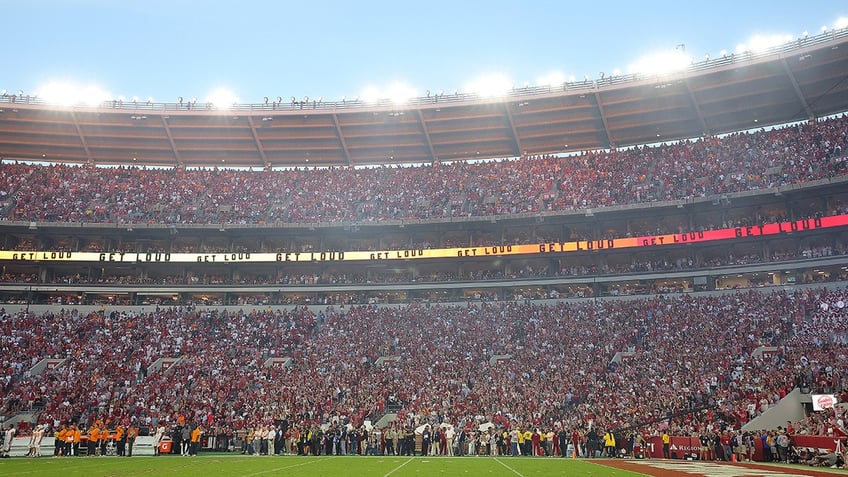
x: 683, y: 447
x: 823, y: 401
x: 538, y: 249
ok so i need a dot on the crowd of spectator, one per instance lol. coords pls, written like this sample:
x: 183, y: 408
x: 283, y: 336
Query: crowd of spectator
x: 708, y: 166
x: 501, y: 362
x: 666, y: 363
x: 529, y: 291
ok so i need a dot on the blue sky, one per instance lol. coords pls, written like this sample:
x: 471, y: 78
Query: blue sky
x: 165, y: 49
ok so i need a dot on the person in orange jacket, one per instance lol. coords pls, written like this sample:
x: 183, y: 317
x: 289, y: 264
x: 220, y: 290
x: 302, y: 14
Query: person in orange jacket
x: 120, y: 442
x: 59, y: 441
x: 104, y: 439
x: 77, y: 439
x: 69, y: 440
x: 195, y: 440
x: 93, y: 439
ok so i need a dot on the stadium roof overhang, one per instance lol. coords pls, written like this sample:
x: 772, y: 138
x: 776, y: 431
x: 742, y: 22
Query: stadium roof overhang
x: 798, y: 81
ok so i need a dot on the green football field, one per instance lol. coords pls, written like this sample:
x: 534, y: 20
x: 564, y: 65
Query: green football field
x: 238, y: 465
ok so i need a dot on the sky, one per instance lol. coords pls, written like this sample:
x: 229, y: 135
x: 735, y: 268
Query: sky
x: 332, y: 49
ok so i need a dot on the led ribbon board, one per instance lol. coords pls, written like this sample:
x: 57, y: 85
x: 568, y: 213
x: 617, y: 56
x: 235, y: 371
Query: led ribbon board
x: 654, y: 241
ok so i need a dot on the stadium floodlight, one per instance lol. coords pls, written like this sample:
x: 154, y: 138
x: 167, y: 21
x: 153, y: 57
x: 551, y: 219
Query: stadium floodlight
x: 397, y: 93
x: 841, y: 22
x: 662, y: 63
x: 490, y: 86
x: 221, y: 98
x: 400, y: 93
x: 761, y: 43
x: 824, y: 28
x: 71, y: 94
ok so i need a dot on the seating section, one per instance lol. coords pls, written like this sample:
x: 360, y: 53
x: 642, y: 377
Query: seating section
x: 687, y: 353
x: 700, y: 168
x: 532, y: 363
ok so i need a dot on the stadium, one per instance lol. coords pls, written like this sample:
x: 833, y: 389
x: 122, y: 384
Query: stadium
x: 659, y: 258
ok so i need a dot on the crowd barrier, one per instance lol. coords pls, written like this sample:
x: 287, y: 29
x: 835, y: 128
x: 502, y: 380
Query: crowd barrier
x: 682, y: 447
x: 20, y: 446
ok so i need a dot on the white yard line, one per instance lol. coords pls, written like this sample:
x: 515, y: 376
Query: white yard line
x: 519, y: 474
x: 398, y: 468
x: 270, y: 471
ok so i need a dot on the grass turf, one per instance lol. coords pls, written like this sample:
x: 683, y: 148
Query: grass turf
x: 209, y: 465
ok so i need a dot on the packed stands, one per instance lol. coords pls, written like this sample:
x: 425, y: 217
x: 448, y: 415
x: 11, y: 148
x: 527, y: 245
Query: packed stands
x: 505, y: 362
x: 705, y: 167
x: 663, y: 362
